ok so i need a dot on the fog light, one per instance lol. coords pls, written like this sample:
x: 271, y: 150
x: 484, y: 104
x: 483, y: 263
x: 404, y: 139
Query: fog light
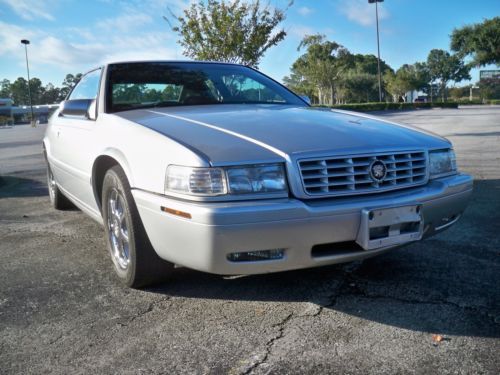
x: 252, y: 256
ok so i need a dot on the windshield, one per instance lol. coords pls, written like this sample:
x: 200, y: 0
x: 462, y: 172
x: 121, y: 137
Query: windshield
x: 158, y: 84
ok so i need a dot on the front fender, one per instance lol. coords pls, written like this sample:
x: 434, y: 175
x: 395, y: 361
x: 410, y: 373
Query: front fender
x: 121, y: 159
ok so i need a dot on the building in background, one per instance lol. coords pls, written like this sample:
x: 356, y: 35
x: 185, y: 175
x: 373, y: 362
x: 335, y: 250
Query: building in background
x: 6, y: 112
x: 10, y: 114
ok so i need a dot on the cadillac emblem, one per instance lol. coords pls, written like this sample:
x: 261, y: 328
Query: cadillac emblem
x: 378, y: 171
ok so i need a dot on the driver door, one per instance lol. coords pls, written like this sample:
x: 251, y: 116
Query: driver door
x: 74, y: 148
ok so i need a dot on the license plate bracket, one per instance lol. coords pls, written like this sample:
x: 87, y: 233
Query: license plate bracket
x: 390, y: 226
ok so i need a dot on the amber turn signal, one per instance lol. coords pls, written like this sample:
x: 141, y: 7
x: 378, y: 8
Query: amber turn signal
x: 183, y: 214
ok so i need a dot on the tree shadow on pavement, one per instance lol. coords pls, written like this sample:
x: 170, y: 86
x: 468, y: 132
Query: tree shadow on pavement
x: 13, y: 186
x: 447, y: 284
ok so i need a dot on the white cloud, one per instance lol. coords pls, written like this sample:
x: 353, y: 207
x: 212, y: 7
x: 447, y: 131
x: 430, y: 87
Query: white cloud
x: 79, y: 33
x: 301, y: 30
x: 10, y: 38
x: 360, y: 11
x: 31, y: 9
x: 52, y: 50
x: 305, y: 11
x: 146, y: 46
x: 125, y: 22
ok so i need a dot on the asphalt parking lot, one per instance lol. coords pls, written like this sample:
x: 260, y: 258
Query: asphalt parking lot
x: 62, y: 311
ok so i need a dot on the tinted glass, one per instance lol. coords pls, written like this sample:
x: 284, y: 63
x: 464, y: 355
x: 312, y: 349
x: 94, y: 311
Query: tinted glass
x: 143, y: 85
x: 87, y: 87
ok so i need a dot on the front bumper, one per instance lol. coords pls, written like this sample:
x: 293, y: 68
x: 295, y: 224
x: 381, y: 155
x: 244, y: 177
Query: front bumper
x: 215, y: 230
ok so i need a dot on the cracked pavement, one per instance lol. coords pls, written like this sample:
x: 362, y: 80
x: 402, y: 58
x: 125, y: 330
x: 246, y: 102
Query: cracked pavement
x: 62, y: 311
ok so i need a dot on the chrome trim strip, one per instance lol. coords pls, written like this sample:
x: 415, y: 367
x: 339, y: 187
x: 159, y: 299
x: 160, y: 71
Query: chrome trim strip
x: 448, y: 224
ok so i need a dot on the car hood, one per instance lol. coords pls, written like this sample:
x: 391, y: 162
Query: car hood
x: 227, y: 134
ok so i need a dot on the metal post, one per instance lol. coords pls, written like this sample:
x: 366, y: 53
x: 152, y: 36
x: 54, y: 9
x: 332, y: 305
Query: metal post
x: 378, y: 61
x: 26, y: 42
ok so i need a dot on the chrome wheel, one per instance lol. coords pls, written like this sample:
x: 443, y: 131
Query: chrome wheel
x: 118, y: 230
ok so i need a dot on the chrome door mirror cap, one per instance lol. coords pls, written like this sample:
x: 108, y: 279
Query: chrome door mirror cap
x: 80, y: 108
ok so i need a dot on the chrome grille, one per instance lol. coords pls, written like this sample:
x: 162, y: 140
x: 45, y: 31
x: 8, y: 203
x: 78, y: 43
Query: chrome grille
x: 345, y: 175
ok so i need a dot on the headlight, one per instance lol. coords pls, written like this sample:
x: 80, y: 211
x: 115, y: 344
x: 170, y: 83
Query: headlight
x: 256, y: 179
x: 252, y: 179
x: 195, y: 181
x: 442, y: 163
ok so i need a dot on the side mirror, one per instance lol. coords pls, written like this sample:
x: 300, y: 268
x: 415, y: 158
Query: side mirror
x: 306, y: 99
x: 79, y: 107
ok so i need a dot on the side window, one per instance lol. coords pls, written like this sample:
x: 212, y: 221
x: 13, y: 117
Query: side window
x: 145, y: 93
x: 87, y: 87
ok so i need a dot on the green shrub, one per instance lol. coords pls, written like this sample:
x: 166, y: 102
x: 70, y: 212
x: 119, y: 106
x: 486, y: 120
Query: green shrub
x: 494, y: 101
x: 466, y: 101
x: 446, y: 105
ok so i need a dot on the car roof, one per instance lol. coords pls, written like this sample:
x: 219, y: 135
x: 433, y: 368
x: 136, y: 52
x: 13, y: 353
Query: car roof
x: 171, y: 61
x: 162, y: 61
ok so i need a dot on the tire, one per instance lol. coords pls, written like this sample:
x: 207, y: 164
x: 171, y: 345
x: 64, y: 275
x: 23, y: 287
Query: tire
x: 57, y: 198
x: 135, y: 261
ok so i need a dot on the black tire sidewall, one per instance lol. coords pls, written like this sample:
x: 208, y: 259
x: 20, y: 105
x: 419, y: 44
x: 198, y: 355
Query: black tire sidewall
x: 57, y: 199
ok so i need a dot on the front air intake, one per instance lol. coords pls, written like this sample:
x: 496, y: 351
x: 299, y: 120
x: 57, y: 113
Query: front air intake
x: 255, y: 256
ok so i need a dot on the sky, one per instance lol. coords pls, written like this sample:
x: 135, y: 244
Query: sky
x: 72, y: 36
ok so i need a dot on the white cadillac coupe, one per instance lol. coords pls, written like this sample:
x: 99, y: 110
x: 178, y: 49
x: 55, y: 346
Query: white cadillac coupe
x: 219, y: 168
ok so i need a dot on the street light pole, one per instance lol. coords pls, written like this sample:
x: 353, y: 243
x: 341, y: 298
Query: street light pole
x: 378, y: 49
x: 26, y: 42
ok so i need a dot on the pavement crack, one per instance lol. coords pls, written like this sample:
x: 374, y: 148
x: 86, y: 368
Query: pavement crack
x: 56, y: 339
x: 350, y: 287
x: 152, y: 306
x: 347, y: 281
x: 475, y: 309
x: 262, y: 358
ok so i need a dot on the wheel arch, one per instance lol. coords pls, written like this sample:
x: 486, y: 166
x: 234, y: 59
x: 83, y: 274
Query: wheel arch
x: 102, y: 163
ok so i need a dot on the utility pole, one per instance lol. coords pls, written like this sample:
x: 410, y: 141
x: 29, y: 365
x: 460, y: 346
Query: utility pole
x: 378, y: 49
x: 26, y: 42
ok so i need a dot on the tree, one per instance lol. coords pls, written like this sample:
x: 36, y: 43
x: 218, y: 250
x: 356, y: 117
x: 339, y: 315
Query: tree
x: 300, y: 85
x: 50, y: 94
x: 36, y: 91
x: 20, y: 95
x: 236, y: 31
x: 327, y: 65
x: 322, y: 65
x: 489, y: 88
x: 368, y: 64
x: 356, y: 87
x: 360, y: 82
x: 5, y: 91
x: 395, y: 85
x: 69, y: 81
x: 19, y: 91
x: 407, y: 78
x: 444, y: 67
x: 480, y: 41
